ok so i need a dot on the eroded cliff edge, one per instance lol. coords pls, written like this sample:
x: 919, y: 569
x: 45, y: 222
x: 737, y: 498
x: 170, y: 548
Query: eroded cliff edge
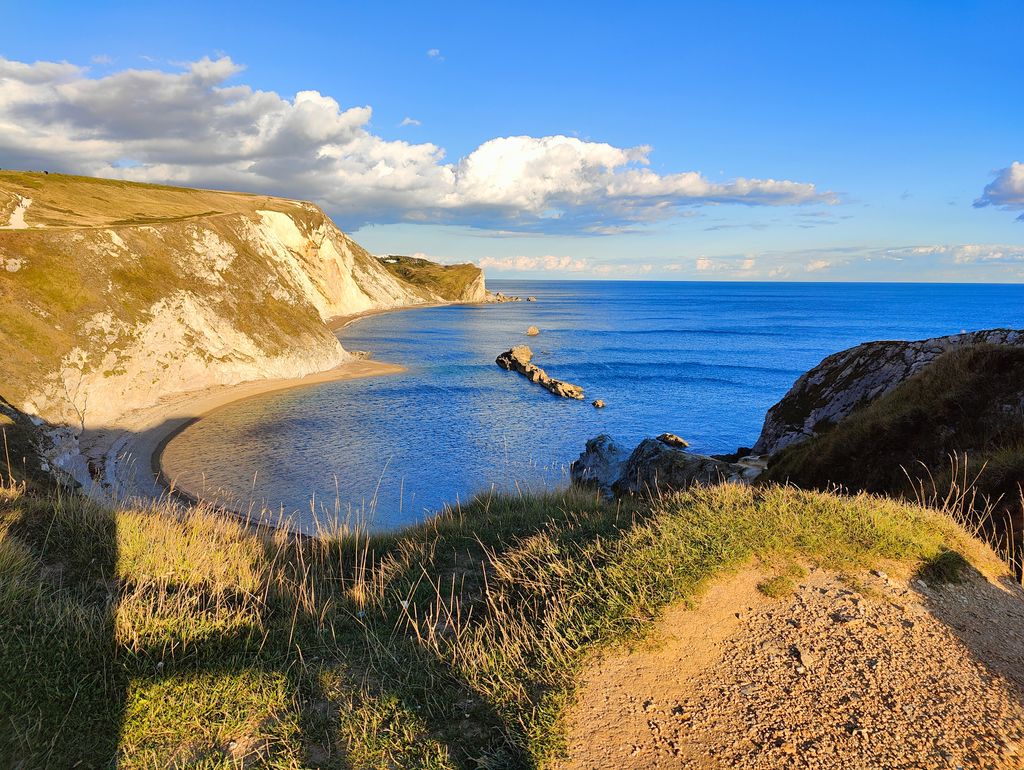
x: 852, y: 378
x: 116, y: 295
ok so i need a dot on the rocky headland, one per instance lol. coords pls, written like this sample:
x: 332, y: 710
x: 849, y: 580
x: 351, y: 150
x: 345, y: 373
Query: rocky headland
x: 852, y: 378
x: 870, y: 418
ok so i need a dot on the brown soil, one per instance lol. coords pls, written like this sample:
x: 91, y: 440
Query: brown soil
x: 864, y: 672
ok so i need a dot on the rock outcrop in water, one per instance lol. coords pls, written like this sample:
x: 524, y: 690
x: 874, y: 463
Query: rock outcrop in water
x: 533, y: 331
x: 652, y: 467
x: 848, y: 380
x: 518, y: 360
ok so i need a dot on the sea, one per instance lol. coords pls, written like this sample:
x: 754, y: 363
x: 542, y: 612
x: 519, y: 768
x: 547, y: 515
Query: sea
x: 703, y: 360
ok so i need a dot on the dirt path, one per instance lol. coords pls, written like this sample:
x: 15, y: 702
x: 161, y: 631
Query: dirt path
x: 891, y: 674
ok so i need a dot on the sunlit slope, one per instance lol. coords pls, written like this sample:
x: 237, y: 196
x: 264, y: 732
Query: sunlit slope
x: 116, y: 294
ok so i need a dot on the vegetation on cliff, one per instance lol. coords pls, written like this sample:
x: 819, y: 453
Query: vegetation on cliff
x: 454, y: 283
x: 955, y: 429
x: 117, y: 293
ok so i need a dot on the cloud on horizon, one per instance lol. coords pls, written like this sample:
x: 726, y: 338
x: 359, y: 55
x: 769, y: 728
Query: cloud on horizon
x: 1006, y: 191
x: 191, y: 126
x: 938, y: 262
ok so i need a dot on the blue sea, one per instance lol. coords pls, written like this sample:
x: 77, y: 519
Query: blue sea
x: 702, y: 360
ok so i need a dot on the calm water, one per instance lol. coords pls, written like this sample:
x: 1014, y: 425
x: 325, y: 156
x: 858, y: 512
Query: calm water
x: 703, y: 360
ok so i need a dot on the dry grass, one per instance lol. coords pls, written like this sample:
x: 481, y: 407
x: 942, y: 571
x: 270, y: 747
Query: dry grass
x: 61, y: 200
x: 169, y: 637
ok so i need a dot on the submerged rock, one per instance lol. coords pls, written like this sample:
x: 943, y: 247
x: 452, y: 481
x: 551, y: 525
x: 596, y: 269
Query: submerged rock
x: 671, y: 439
x: 518, y: 360
x: 531, y: 299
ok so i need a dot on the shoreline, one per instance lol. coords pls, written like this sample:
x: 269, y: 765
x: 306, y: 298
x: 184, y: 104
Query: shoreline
x: 163, y: 422
x: 134, y: 451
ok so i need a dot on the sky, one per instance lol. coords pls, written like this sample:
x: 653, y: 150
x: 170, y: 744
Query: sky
x: 688, y: 141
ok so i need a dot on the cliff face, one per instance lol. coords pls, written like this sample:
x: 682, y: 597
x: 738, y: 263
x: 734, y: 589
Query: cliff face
x: 115, y: 295
x: 852, y: 378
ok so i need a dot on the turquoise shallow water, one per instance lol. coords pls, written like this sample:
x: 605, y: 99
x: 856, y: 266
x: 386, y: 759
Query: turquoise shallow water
x: 703, y: 360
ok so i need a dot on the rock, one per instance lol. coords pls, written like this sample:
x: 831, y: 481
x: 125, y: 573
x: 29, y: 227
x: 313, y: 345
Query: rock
x: 671, y: 439
x: 599, y: 465
x: 654, y: 466
x: 499, y: 297
x: 533, y: 331
x: 847, y: 380
x: 597, y: 404
x: 531, y: 299
x: 518, y: 360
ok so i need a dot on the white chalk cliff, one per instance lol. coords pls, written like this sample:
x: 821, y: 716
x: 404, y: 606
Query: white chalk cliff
x: 135, y: 293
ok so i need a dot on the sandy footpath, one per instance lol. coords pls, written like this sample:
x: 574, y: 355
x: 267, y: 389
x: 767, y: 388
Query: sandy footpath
x: 132, y: 450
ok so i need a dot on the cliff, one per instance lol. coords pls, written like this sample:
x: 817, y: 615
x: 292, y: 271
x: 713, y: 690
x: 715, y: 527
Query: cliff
x: 454, y: 283
x: 117, y: 294
x: 850, y: 379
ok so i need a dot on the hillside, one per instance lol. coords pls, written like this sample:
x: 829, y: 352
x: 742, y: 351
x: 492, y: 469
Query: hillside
x: 117, y: 294
x: 848, y: 380
x: 159, y: 638
x: 957, y: 424
x: 456, y: 283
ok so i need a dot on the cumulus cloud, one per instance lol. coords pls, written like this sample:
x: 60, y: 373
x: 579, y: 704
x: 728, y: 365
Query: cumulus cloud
x: 410, y: 122
x: 1006, y: 191
x: 817, y: 265
x: 196, y: 125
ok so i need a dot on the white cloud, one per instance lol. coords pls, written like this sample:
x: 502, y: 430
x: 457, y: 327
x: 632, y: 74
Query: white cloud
x: 192, y: 125
x: 1006, y: 191
x: 102, y: 59
x: 816, y: 265
x: 410, y: 122
x: 729, y: 265
x: 547, y: 263
x: 435, y: 53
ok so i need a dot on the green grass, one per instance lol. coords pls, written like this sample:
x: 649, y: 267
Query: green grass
x: 168, y: 638
x: 449, y: 282
x: 951, y: 436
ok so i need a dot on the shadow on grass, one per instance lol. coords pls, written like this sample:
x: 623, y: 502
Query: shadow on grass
x: 295, y: 678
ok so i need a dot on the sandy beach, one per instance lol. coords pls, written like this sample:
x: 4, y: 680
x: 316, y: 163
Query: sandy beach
x: 133, y: 449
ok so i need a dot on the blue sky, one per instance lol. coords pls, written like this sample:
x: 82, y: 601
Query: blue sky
x: 881, y: 125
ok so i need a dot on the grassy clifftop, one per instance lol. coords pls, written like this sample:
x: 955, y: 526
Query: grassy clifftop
x: 957, y: 424
x: 163, y: 639
x: 455, y: 283
x: 60, y: 200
